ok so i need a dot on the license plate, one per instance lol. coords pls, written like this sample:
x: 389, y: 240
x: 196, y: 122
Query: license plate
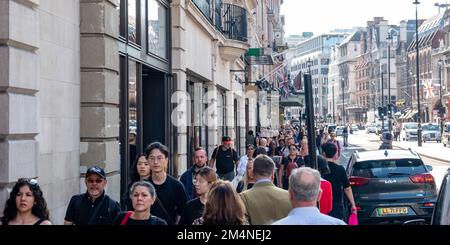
x: 392, y: 211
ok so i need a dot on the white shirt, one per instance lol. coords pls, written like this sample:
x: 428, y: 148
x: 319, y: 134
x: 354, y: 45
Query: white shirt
x: 308, y: 216
x: 242, y: 167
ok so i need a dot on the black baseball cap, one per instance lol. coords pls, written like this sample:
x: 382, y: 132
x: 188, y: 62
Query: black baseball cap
x: 226, y: 139
x: 96, y: 170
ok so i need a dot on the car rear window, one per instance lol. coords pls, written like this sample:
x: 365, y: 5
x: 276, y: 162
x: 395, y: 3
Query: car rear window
x: 388, y: 168
x: 431, y: 127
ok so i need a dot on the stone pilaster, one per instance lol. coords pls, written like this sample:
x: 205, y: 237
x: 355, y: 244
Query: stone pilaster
x: 99, y: 130
x: 179, y: 68
x: 19, y: 84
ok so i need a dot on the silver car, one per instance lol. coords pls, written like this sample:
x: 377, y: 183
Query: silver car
x: 339, y: 130
x: 371, y: 128
x: 431, y: 132
x: 409, y: 131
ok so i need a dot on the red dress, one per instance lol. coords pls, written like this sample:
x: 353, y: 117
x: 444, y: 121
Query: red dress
x: 326, y: 201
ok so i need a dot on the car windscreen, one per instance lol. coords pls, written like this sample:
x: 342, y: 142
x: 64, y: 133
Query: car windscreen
x: 388, y: 168
x: 411, y: 126
x: 431, y: 127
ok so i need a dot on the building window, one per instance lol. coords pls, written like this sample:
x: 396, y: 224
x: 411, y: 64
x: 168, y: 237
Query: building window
x: 132, y: 109
x: 157, y: 28
x: 121, y: 9
x: 133, y: 9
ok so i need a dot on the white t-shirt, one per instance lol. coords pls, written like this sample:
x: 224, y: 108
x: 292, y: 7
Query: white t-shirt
x: 242, y: 167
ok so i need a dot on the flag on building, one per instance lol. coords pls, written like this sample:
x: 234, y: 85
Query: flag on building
x: 428, y: 87
x: 298, y: 82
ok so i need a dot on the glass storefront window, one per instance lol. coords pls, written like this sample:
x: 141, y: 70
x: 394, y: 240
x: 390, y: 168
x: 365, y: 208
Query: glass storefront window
x: 156, y: 28
x: 132, y: 21
x: 132, y: 110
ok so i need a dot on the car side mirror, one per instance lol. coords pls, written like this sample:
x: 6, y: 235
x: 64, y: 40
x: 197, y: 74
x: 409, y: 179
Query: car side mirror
x: 415, y: 222
x: 429, y: 168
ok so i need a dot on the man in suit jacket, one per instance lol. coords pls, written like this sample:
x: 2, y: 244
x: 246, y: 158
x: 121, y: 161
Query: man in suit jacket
x: 264, y: 202
x: 304, y: 192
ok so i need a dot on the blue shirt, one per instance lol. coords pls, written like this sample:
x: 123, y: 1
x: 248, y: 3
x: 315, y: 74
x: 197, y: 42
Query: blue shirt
x: 263, y: 181
x: 308, y: 216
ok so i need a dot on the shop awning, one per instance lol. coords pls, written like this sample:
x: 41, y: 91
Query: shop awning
x: 408, y: 114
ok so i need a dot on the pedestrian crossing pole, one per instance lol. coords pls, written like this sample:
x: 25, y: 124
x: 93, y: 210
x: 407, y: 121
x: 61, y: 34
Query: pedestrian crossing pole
x: 310, y: 120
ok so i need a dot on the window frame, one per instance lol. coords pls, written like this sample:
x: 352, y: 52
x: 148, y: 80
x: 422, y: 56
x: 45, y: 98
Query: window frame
x: 166, y: 32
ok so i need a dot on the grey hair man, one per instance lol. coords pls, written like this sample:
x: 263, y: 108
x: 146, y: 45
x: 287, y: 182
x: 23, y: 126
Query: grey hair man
x: 304, y: 193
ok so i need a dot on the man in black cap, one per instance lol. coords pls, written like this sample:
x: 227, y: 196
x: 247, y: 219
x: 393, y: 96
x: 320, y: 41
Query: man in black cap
x: 93, y: 207
x: 224, y: 159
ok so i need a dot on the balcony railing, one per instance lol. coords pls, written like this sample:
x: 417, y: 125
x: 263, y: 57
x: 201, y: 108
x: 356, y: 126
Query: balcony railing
x: 234, y: 22
x: 230, y: 20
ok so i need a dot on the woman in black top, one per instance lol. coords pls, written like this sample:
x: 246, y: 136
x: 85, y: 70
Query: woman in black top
x: 292, y: 161
x: 204, y: 179
x: 26, y: 205
x: 143, y: 195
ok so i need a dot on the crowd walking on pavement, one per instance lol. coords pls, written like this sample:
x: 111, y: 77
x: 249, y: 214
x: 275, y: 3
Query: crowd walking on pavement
x: 272, y: 183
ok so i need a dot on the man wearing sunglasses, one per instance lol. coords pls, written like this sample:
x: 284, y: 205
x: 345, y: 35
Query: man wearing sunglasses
x: 93, y: 207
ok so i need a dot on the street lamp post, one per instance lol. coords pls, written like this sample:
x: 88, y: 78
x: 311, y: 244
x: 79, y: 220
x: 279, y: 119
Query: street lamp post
x: 334, y: 112
x: 419, y: 121
x: 309, y: 64
x: 440, y: 62
x: 382, y: 101
x: 343, y: 101
x: 389, y: 38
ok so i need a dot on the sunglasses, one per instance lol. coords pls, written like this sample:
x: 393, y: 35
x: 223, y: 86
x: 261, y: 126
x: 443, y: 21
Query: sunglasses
x: 91, y: 181
x: 30, y: 181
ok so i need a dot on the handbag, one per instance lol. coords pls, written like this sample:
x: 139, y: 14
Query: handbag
x: 353, y: 219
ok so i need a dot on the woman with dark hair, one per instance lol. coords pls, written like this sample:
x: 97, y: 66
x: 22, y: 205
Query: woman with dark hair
x: 140, y: 171
x: 289, y: 163
x: 204, y: 180
x: 171, y: 194
x: 143, y: 195
x: 223, y: 207
x: 26, y: 205
x: 272, y: 149
x: 326, y: 200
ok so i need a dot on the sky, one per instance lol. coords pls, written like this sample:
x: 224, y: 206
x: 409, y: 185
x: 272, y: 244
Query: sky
x: 321, y: 16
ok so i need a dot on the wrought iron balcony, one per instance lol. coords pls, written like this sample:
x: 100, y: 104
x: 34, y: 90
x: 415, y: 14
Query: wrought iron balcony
x: 234, y: 22
x: 230, y: 20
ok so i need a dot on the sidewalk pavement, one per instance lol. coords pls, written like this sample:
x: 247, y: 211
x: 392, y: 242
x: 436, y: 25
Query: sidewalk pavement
x: 434, y: 151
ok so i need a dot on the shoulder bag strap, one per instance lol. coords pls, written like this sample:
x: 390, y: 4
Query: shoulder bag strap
x: 164, y: 209
x: 97, y: 209
x: 126, y: 217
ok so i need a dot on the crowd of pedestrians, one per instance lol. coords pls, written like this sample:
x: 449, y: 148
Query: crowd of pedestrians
x: 272, y: 183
